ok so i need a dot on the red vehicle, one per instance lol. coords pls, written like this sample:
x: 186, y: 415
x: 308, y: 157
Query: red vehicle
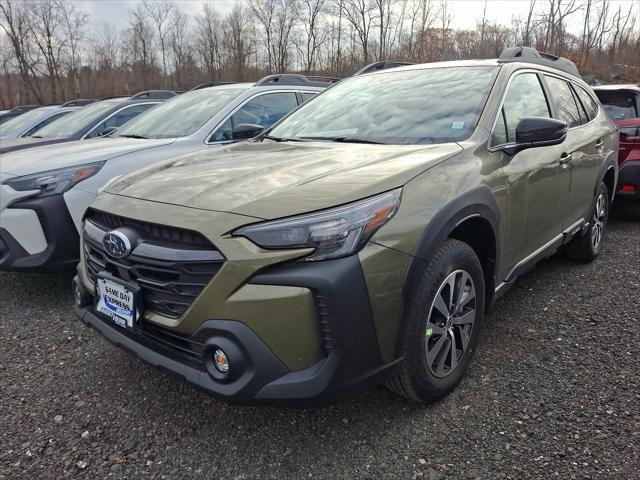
x: 622, y: 103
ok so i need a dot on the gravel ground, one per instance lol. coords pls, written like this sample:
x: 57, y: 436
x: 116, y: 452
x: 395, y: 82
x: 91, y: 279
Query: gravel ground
x: 553, y: 392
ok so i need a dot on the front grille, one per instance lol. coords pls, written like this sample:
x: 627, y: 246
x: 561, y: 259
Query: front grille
x: 151, y: 231
x: 171, y: 266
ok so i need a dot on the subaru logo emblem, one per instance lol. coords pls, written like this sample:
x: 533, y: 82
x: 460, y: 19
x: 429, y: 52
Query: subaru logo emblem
x: 116, y: 244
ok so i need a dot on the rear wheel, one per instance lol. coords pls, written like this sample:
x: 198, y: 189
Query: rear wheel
x: 586, y: 246
x: 442, y: 325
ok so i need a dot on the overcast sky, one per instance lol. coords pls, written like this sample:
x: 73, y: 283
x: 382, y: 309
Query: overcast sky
x: 465, y: 12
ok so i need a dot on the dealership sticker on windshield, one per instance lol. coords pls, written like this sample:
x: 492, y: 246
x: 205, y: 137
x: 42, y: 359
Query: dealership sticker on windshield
x: 117, y: 302
x: 457, y: 125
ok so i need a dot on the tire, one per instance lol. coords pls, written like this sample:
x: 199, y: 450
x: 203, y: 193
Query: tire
x: 586, y: 246
x: 426, y: 373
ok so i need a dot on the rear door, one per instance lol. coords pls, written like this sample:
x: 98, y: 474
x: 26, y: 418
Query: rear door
x: 583, y: 150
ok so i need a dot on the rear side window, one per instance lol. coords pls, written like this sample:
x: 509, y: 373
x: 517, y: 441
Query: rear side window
x: 525, y: 98
x: 589, y: 104
x: 564, y: 101
x: 306, y: 96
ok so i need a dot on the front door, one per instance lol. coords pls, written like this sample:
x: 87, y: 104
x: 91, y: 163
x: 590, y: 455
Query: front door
x: 538, y: 184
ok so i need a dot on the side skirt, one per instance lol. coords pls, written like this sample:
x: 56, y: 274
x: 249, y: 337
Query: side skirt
x: 541, y: 253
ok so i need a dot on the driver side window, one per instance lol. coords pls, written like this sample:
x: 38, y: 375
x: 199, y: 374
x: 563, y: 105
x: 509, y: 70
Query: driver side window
x: 120, y: 118
x: 525, y: 98
x: 264, y: 110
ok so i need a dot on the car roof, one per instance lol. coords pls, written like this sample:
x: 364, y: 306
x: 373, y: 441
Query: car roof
x: 629, y: 86
x: 248, y: 86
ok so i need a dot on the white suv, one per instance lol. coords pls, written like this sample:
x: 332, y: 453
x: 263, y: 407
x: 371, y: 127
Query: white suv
x: 45, y: 191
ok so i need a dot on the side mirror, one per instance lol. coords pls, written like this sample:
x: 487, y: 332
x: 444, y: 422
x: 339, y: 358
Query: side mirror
x: 538, y: 132
x: 107, y: 131
x: 246, y: 130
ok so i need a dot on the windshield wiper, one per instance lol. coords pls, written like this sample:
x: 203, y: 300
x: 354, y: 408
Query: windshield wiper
x: 134, y: 136
x: 346, y: 140
x: 281, y: 139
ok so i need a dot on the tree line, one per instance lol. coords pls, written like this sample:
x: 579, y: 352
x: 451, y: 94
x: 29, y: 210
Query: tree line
x: 48, y: 54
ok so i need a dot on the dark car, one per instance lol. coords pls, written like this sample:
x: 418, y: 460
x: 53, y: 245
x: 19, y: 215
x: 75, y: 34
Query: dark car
x: 91, y: 121
x: 622, y: 103
x: 14, y: 112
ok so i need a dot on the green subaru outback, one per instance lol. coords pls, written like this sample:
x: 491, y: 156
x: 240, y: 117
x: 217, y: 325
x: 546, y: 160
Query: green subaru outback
x: 358, y: 242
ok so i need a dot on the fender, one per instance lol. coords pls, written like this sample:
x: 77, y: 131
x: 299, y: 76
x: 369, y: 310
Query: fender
x: 479, y: 202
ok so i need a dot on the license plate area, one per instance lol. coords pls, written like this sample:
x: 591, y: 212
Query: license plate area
x: 117, y: 300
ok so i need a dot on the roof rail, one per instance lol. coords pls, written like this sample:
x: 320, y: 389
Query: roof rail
x: 210, y: 84
x: 294, y: 79
x: 24, y: 108
x: 324, y: 78
x: 531, y: 55
x: 79, y: 102
x: 155, y: 94
x: 381, y: 65
x: 111, y: 97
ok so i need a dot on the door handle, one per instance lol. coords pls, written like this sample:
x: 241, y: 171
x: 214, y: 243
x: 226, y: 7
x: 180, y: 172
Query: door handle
x: 599, y: 144
x: 565, y: 158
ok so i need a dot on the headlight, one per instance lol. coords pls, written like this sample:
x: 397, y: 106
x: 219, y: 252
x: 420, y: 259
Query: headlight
x: 54, y: 181
x: 333, y: 233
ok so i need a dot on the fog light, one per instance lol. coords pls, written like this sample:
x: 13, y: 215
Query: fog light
x: 221, y: 361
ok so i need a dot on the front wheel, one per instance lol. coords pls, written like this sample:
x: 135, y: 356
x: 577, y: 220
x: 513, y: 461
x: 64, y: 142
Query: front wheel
x: 443, y: 321
x: 586, y: 246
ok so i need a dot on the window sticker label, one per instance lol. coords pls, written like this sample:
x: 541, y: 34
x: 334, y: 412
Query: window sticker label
x: 457, y: 126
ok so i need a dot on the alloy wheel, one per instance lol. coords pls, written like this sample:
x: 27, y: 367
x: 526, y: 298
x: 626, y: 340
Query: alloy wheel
x: 450, y: 323
x: 598, y: 221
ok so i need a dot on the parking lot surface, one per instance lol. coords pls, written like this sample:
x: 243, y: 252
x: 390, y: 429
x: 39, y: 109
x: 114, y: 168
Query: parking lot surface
x: 553, y: 392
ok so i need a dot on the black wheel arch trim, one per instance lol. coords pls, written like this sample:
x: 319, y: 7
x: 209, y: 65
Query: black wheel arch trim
x: 611, y: 163
x: 477, y: 203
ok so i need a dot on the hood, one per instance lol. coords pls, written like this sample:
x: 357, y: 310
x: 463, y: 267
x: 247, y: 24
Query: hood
x: 11, y: 145
x: 50, y: 157
x: 270, y: 180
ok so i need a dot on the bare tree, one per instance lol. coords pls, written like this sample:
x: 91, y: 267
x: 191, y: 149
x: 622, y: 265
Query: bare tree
x: 141, y: 51
x: 594, y: 27
x: 160, y: 12
x: 238, y: 41
x: 361, y: 15
x: 276, y: 18
x: 46, y: 55
x: 311, y: 17
x: 179, y: 45
x: 209, y: 42
x: 15, y: 24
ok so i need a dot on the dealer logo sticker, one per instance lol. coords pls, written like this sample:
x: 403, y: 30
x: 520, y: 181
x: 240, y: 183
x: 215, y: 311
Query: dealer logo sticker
x: 116, y: 244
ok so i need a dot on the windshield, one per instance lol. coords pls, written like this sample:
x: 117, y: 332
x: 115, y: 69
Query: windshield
x: 433, y: 105
x: 181, y: 116
x: 20, y: 123
x: 76, y: 121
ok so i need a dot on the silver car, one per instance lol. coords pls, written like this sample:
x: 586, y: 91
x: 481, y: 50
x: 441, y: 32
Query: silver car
x: 45, y: 190
x: 30, y: 122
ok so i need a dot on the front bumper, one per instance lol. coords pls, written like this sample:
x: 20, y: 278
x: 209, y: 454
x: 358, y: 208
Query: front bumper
x: 351, y: 358
x: 48, y: 219
x: 629, y: 180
